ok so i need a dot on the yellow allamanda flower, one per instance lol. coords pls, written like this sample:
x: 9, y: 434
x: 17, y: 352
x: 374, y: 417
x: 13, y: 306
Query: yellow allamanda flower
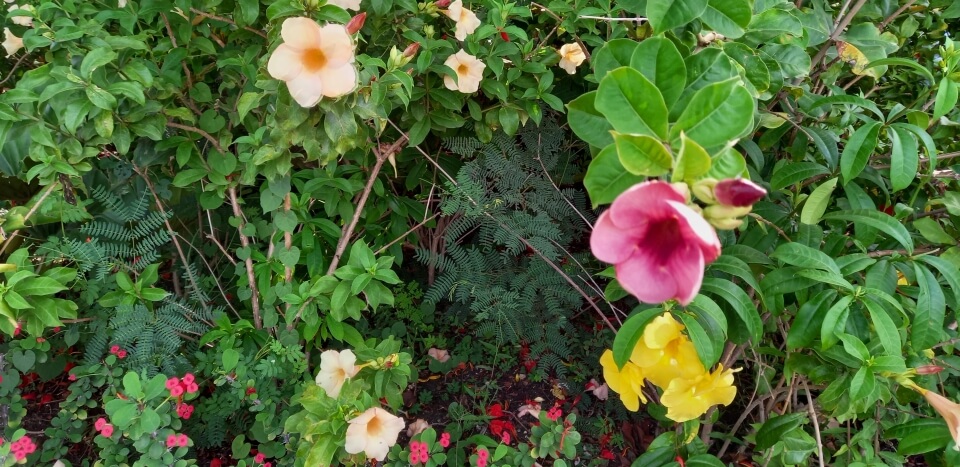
x: 665, y: 353
x: 687, y: 399
x: 626, y: 382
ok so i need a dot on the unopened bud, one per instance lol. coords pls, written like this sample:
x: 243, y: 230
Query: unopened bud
x: 411, y: 50
x: 729, y: 223
x: 442, y: 3
x: 682, y: 189
x: 356, y: 23
x: 703, y: 190
x: 720, y: 211
x: 738, y: 192
x: 928, y: 369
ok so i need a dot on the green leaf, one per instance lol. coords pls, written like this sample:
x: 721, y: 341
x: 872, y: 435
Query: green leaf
x: 642, y: 155
x: 817, y: 202
x: 100, y: 97
x: 149, y: 420
x: 862, y: 383
x: 896, y: 61
x: 16, y: 301
x: 773, y: 430
x: 692, y: 162
x: 717, y: 114
x: 665, y: 15
x: 854, y: 346
x: 728, y: 17
x: 885, y: 327
x: 124, y: 281
x: 94, y: 59
x: 614, y: 54
x: 587, y: 122
x: 709, y: 347
x: 606, y: 177
x: 904, y: 158
x: 878, y: 220
x: 632, y: 103
x: 834, y: 322
x: 247, y: 101
x: 947, y: 270
x: 851, y: 100
x: 630, y: 333
x: 806, y: 325
x: 33, y: 286
x: 793, y: 60
x: 230, y: 359
x: 946, y: 99
x: 857, y: 151
x: 931, y: 230
x: 660, y: 61
x: 927, y: 325
x: 740, y: 303
x: 131, y: 384
x: 704, y: 460
x: 801, y: 255
x: 922, y: 435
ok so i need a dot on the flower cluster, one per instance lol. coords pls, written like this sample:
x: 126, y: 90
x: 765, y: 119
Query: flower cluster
x: 419, y: 452
x: 22, y: 447
x: 102, y: 426
x: 184, y: 411
x: 178, y: 387
x: 445, y: 440
x: 482, y: 456
x: 120, y: 353
x: 175, y: 440
x: 261, y: 458
x: 667, y: 358
x: 554, y: 413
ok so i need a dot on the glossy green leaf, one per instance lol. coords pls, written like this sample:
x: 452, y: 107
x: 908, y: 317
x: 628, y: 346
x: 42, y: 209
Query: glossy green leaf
x: 848, y: 100
x: 606, y: 177
x: 858, y: 149
x: 642, y: 155
x: 885, y: 327
x: 630, y: 333
x: 709, y: 346
x: 632, y: 103
x: 946, y: 100
x: 805, y: 326
x: 717, y: 115
x: 614, y: 54
x: 817, y: 202
x: 728, y: 17
x: 834, y: 322
x: 879, y: 220
x: 660, y: 61
x: 741, y: 304
x: 897, y: 61
x: 773, y: 430
x: 927, y: 325
x: 904, y: 158
x: 587, y: 122
x: 801, y: 255
x: 692, y: 161
x: 665, y: 15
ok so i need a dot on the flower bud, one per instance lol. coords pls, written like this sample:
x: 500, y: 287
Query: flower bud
x: 683, y: 189
x: 703, y: 190
x: 356, y: 23
x: 738, y: 192
x: 720, y: 211
x: 411, y: 50
x: 928, y: 369
x: 726, y: 224
x: 442, y: 3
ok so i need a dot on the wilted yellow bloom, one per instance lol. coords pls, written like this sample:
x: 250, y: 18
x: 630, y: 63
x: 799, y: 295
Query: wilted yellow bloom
x: 373, y: 433
x: 467, y: 21
x: 665, y: 353
x: 571, y: 56
x: 469, y: 70
x: 687, y: 399
x: 949, y: 410
x: 627, y: 381
x: 314, y: 60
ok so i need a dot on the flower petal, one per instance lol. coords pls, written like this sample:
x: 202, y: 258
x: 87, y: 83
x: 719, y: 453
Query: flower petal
x: 338, y: 81
x: 644, y: 202
x: 611, y: 244
x: 306, y: 89
x: 686, y: 265
x: 336, y: 44
x: 645, y: 279
x: 300, y: 33
x: 284, y: 63
x: 356, y: 439
x: 696, y: 229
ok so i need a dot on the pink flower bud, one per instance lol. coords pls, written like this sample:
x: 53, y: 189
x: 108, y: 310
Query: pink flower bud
x: 738, y: 192
x: 356, y: 23
x: 929, y: 369
x: 443, y: 3
x: 411, y: 50
x: 171, y: 441
x: 98, y: 425
x: 172, y: 383
x: 107, y: 430
x: 182, y: 440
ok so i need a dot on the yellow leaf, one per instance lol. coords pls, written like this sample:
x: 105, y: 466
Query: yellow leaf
x: 857, y: 60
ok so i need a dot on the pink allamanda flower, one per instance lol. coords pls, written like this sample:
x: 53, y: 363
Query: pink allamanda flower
x: 658, y: 245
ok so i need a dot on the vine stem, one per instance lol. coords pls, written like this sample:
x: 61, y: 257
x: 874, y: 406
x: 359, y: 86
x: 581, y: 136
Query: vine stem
x: 816, y: 421
x: 526, y: 243
x: 30, y: 213
x: 382, y: 152
x: 248, y: 263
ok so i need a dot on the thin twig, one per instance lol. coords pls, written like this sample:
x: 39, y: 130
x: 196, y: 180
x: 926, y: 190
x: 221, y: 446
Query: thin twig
x: 918, y: 251
x: 404, y: 235
x: 15, y: 65
x: 883, y: 25
x: 843, y: 20
x: 816, y: 421
x: 924, y: 160
x: 226, y: 20
x: 248, y: 263
x: 208, y: 136
x: 30, y: 213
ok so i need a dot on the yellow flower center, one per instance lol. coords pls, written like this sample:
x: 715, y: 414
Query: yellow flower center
x: 463, y: 69
x: 373, y: 426
x: 313, y: 59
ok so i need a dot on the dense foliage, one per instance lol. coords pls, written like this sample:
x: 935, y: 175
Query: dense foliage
x: 350, y: 232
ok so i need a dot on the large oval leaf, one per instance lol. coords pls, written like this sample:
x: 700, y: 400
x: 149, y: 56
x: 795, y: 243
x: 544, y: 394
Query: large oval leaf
x: 606, y: 178
x: 718, y: 114
x: 642, y: 154
x: 858, y: 149
x: 587, y: 122
x: 660, y: 61
x: 632, y: 103
x: 665, y: 15
x: 904, y: 158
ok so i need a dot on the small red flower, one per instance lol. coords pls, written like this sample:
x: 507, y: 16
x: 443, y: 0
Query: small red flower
x: 177, y: 391
x: 70, y: 377
x: 607, y: 454
x: 259, y: 458
x: 445, y: 440
x: 182, y: 440
x: 114, y: 349
x: 107, y: 430
x: 554, y: 413
x: 504, y: 36
x: 216, y: 463
x: 41, y: 340
x: 495, y: 410
x: 188, y: 378
x: 171, y: 441
x: 122, y: 354
x: 251, y: 390
x: 56, y: 329
x: 172, y: 383
x: 100, y: 423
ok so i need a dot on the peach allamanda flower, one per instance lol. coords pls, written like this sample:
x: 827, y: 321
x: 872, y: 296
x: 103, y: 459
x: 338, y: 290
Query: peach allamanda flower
x: 373, y: 433
x: 439, y: 355
x: 467, y: 21
x: 315, y: 61
x: 571, y: 56
x: 335, y: 368
x: 949, y: 410
x: 665, y: 353
x: 626, y: 381
x: 687, y: 399
x: 469, y: 70
x: 21, y: 20
x: 11, y: 43
x: 658, y: 245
